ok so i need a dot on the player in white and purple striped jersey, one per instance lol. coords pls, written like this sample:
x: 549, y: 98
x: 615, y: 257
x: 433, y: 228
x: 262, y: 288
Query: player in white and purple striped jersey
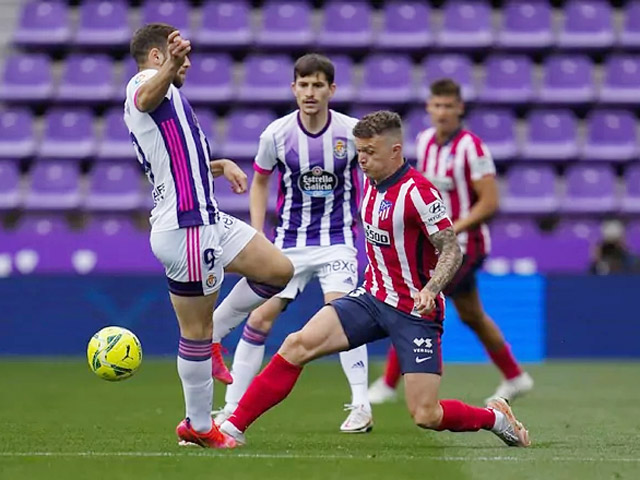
x: 312, y: 150
x: 195, y: 242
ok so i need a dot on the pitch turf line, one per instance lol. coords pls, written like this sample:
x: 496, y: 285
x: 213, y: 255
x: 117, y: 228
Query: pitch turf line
x: 286, y: 456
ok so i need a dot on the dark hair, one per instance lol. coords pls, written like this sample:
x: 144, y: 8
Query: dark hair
x: 152, y: 35
x: 312, y: 63
x: 445, y: 87
x: 377, y: 123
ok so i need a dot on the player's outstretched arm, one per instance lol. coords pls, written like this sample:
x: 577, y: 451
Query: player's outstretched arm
x: 151, y: 94
x: 449, y: 260
x: 231, y: 171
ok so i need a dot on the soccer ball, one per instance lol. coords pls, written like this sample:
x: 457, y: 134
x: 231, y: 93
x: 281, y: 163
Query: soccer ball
x: 114, y: 353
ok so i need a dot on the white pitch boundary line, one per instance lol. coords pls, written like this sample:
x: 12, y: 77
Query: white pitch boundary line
x: 294, y: 456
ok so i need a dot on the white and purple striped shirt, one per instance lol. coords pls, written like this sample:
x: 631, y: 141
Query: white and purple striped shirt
x: 175, y: 154
x: 318, y: 192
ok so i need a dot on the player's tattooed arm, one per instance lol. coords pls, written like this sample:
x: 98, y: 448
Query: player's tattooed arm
x: 449, y: 259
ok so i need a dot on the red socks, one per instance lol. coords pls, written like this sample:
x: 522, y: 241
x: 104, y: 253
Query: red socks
x: 506, y: 362
x: 268, y: 389
x: 457, y: 416
x: 392, y: 372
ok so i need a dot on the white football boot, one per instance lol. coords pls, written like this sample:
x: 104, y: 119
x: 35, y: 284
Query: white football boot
x: 512, y: 432
x: 230, y: 430
x: 359, y: 420
x: 219, y: 416
x: 379, y: 392
x: 514, y: 388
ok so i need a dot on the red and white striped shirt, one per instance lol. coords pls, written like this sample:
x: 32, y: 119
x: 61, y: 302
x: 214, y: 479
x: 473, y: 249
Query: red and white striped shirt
x: 453, y: 167
x: 398, y: 215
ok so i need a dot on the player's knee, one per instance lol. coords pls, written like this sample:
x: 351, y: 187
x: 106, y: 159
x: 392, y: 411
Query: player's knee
x: 427, y: 416
x: 260, y: 321
x: 294, y: 349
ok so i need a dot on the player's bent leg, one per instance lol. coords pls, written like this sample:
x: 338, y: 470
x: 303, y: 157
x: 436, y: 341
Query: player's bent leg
x: 421, y: 395
x: 249, y: 354
x: 262, y: 262
x: 516, y: 382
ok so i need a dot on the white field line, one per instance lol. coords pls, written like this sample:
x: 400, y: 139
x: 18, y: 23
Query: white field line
x: 294, y: 456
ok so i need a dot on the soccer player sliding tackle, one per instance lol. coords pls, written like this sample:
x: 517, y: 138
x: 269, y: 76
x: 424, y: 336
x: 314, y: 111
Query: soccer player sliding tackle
x: 192, y: 238
x: 412, y: 254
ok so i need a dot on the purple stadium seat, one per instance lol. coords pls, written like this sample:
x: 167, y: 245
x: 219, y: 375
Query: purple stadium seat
x: 611, y: 135
x: 568, y: 79
x: 633, y: 236
x: 210, y: 78
x: 529, y: 189
x: 41, y: 244
x: 589, y: 189
x: 100, y: 247
x: 496, y: 127
x: 346, y: 25
x: 415, y: 121
x: 243, y: 129
x: 116, y: 142
x: 103, y: 23
x: 346, y: 88
x: 114, y: 187
x: 286, y: 24
x: 386, y: 80
x: 552, y: 135
x: 629, y: 35
x: 26, y: 78
x: 128, y: 71
x: 239, y: 204
x: 55, y: 185
x: 515, y: 244
x: 87, y: 79
x: 406, y: 25
x: 466, y: 24
x: 509, y: 79
x: 225, y: 24
x: 43, y: 24
x: 526, y: 24
x: 588, y: 24
x: 582, y: 228
x: 10, y: 191
x: 173, y: 12
x: 621, y: 79
x: 456, y: 67
x: 553, y: 256
x: 68, y: 134
x: 630, y: 202
x: 267, y: 78
x: 17, y: 137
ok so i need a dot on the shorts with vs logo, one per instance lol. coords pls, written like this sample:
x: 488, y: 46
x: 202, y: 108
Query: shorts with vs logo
x: 365, y: 319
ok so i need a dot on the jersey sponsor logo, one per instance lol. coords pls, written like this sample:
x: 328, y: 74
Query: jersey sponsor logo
x: 376, y: 236
x: 158, y: 194
x: 317, y: 182
x: 437, y: 211
x: 339, y: 266
x: 385, y: 208
x: 340, y: 148
x: 442, y: 183
x: 422, y: 359
x: 423, y: 345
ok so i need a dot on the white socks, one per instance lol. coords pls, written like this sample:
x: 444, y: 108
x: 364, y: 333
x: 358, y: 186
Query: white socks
x: 240, y: 302
x: 194, y: 369
x: 355, y: 365
x: 501, y: 423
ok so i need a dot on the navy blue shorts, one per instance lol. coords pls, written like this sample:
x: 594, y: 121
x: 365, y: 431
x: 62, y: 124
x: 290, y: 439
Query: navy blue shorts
x: 464, y: 281
x: 365, y: 319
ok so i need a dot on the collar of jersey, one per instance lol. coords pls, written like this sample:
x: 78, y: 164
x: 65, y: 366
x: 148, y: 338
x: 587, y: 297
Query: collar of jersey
x: 314, y: 135
x: 451, y: 137
x: 394, y: 178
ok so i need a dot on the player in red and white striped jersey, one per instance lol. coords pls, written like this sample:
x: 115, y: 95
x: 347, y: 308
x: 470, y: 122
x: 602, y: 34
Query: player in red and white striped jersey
x: 459, y: 164
x: 412, y: 254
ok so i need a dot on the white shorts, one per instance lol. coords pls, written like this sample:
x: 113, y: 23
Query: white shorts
x: 194, y: 258
x: 335, y: 266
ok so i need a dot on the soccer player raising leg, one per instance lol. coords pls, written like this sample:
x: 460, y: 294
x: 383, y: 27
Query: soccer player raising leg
x: 412, y: 254
x: 457, y: 162
x: 190, y: 236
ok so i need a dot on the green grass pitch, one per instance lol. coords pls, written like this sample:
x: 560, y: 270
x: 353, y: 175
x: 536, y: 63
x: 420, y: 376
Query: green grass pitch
x: 58, y: 421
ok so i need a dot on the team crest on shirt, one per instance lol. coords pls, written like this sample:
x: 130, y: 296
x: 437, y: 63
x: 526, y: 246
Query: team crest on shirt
x: 385, y: 208
x: 211, y: 280
x: 340, y: 148
x: 317, y: 182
